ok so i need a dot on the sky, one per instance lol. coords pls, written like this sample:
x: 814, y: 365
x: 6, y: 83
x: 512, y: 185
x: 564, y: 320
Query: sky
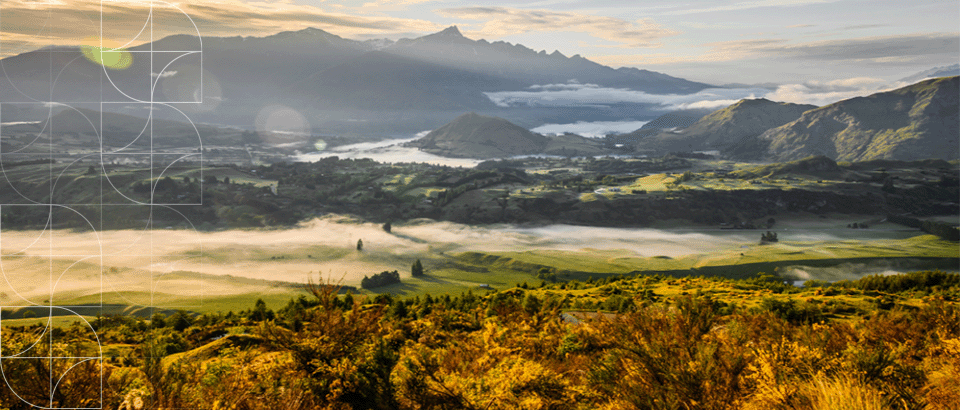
x: 812, y: 43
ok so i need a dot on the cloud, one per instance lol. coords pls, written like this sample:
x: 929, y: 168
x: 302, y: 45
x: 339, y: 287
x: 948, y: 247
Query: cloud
x: 887, y: 50
x: 165, y: 74
x: 746, y: 5
x: 574, y: 94
x: 392, y: 5
x: 74, y: 22
x: 877, y: 49
x: 810, y: 92
x: 501, y: 21
x: 596, y: 129
x: 870, y: 48
x: 828, y: 92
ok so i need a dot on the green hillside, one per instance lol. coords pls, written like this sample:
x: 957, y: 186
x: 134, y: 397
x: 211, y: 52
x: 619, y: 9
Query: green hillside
x: 920, y: 121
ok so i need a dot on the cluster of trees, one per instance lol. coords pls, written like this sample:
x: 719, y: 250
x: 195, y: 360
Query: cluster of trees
x: 768, y: 237
x: 380, y: 279
x: 926, y: 280
x: 941, y: 229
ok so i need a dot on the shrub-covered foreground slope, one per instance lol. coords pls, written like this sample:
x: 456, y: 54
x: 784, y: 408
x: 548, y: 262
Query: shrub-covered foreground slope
x: 646, y: 342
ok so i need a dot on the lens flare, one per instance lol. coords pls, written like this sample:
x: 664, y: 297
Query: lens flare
x: 320, y: 145
x: 282, y: 124
x: 108, y: 56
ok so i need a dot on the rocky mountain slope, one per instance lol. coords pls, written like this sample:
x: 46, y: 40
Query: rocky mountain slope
x: 723, y: 128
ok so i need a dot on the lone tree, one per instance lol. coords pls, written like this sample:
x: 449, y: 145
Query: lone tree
x: 359, y: 244
x: 387, y: 227
x: 417, y: 269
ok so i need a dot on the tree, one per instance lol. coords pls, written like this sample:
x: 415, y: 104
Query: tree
x: 387, y: 227
x: 531, y: 304
x: 260, y: 312
x: 359, y: 244
x: 398, y: 310
x: 157, y: 320
x: 417, y: 269
x: 181, y: 320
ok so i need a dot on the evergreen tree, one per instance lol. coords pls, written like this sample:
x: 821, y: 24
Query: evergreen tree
x: 417, y: 269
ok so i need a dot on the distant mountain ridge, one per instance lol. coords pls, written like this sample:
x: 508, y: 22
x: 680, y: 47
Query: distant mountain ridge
x: 937, y: 72
x: 338, y: 84
x: 519, y: 63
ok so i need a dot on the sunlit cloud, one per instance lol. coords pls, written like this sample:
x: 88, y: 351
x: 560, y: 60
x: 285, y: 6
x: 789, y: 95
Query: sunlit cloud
x: 558, y: 95
x: 901, y: 49
x: 501, y: 21
x: 29, y: 25
x: 747, y: 5
x: 809, y: 92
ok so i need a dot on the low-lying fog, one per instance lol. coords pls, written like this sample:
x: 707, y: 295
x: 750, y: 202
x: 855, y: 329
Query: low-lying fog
x: 598, y: 129
x: 387, y: 151
x: 846, y: 271
x: 137, y: 260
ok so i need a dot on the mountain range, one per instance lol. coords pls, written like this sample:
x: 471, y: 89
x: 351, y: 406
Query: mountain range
x: 919, y: 121
x: 936, y: 72
x: 338, y: 84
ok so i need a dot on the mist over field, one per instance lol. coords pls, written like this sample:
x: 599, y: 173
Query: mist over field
x: 150, y: 261
x: 595, y: 129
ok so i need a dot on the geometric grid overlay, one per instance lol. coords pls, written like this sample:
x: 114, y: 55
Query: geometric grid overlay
x: 59, y: 168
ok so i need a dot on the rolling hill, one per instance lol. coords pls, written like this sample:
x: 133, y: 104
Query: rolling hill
x: 477, y: 136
